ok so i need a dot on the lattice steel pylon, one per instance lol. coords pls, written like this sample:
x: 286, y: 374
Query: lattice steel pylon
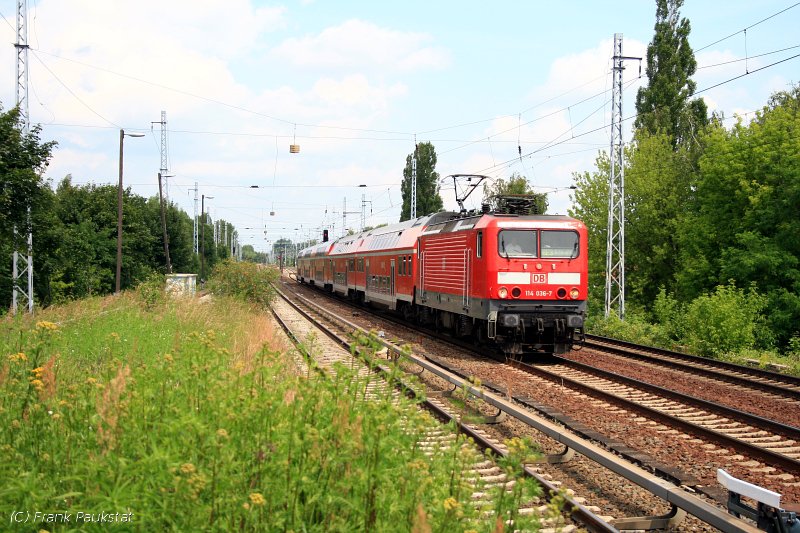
x: 615, y: 247
x: 19, y: 274
x: 414, y: 182
x: 196, y: 222
x: 164, y: 154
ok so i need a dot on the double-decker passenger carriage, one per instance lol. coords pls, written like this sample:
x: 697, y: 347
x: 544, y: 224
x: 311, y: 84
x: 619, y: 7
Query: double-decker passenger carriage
x: 512, y: 280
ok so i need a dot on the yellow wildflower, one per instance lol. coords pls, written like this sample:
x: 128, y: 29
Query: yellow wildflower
x: 91, y: 381
x: 188, y: 468
x: 222, y: 434
x: 451, y: 503
x: 17, y: 357
x: 43, y: 324
x: 168, y: 357
x: 256, y: 498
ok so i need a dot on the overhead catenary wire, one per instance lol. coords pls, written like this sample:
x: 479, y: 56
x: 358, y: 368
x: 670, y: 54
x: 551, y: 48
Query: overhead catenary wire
x: 545, y: 147
x: 748, y: 27
x: 631, y: 117
x: 78, y: 98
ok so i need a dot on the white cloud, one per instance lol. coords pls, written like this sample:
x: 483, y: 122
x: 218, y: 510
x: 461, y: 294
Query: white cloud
x: 356, y: 91
x: 360, y: 44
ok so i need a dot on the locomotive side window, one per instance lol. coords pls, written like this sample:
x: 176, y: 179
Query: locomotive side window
x: 517, y: 243
x: 560, y: 244
x: 479, y: 245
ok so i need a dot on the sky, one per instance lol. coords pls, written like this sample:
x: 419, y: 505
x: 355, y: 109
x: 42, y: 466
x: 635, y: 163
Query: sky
x: 498, y: 87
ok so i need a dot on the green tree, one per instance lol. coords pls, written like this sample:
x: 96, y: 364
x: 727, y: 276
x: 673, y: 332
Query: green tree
x: 658, y: 184
x: 517, y: 184
x: 87, y: 255
x: 664, y: 106
x: 23, y: 159
x: 590, y: 205
x: 428, y: 199
x: 743, y: 221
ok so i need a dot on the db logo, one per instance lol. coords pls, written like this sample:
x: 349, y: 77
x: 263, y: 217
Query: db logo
x: 538, y: 278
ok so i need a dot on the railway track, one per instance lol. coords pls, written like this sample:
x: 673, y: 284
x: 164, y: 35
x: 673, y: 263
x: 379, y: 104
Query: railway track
x: 772, y: 442
x: 779, y: 386
x: 306, y: 324
x: 775, y: 443
x: 710, y: 514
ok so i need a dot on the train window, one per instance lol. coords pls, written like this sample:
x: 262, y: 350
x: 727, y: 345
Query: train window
x: 479, y: 245
x: 560, y: 244
x: 517, y: 243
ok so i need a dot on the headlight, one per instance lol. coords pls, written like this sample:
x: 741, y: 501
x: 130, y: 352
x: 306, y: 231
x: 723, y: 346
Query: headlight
x: 574, y: 293
x: 502, y: 292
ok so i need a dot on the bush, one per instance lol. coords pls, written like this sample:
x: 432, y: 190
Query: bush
x: 635, y: 328
x: 671, y: 315
x: 151, y: 290
x: 724, y: 321
x: 245, y: 281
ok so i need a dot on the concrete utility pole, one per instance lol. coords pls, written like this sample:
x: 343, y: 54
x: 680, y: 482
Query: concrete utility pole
x: 615, y: 247
x: 122, y: 135
x: 18, y: 293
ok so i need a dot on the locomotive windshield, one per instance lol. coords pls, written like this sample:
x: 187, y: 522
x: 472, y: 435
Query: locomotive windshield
x: 517, y: 243
x: 560, y: 244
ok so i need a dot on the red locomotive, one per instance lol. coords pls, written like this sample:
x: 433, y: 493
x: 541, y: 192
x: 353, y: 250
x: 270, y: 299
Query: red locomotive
x: 516, y: 281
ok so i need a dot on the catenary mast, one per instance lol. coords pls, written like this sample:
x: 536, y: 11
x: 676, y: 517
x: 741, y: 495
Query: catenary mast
x: 19, y: 295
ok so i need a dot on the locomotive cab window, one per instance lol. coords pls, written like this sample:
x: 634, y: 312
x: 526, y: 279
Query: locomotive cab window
x: 517, y: 243
x: 560, y: 244
x: 479, y: 245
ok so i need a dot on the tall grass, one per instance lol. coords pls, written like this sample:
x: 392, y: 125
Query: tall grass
x: 188, y: 416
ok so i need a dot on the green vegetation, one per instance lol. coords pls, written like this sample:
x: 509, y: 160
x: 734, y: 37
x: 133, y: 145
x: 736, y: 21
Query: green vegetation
x: 712, y: 255
x: 428, y: 199
x: 75, y: 227
x: 189, y: 415
x: 516, y: 184
x: 247, y: 282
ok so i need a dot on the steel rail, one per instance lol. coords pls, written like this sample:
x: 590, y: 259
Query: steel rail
x: 773, y: 458
x: 626, y: 348
x: 576, y: 510
x: 664, y: 489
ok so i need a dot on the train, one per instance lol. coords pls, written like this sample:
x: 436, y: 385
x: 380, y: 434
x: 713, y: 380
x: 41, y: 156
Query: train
x: 503, y: 278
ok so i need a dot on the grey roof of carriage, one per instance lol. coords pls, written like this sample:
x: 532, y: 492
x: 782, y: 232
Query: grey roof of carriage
x: 400, y: 236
